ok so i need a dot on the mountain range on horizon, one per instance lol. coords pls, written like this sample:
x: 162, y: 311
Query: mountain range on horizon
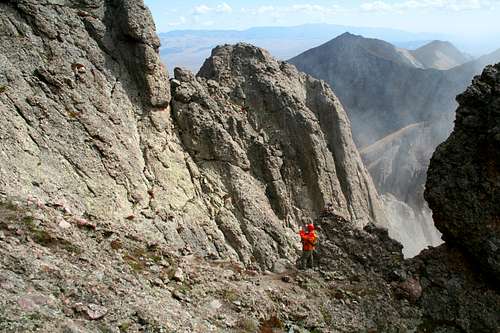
x: 189, y: 48
x: 389, y: 87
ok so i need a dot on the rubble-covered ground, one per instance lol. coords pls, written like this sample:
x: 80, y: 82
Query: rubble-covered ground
x: 64, y: 273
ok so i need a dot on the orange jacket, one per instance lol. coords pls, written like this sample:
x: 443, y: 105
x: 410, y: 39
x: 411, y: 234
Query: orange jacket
x: 308, y: 240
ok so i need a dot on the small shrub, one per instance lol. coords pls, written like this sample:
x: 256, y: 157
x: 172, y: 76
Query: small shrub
x: 248, y: 325
x: 230, y: 295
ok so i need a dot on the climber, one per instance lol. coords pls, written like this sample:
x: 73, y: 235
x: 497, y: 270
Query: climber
x: 309, y: 239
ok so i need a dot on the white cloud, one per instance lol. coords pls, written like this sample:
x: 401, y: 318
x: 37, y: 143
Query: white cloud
x: 454, y: 5
x: 223, y: 8
x: 308, y: 8
x: 296, y: 8
x: 202, y: 9
x: 220, y: 8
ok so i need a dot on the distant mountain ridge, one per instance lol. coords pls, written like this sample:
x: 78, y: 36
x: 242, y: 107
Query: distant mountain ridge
x: 386, y: 87
x: 440, y: 55
x: 189, y: 48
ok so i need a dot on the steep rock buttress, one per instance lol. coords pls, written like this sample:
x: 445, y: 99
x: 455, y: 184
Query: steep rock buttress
x: 460, y: 278
x: 463, y: 183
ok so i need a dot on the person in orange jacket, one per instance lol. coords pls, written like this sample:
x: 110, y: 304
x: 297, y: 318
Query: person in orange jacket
x: 309, y: 240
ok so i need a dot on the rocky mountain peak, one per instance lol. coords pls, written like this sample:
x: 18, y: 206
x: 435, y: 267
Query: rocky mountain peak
x: 275, y: 140
x: 244, y: 154
x: 348, y: 36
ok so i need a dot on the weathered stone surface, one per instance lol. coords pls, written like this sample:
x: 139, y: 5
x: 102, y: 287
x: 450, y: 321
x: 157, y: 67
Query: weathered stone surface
x: 463, y: 184
x: 263, y: 118
x: 86, y: 123
x: 104, y: 198
x: 82, y: 88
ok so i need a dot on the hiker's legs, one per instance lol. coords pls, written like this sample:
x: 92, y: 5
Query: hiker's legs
x: 306, y: 260
x: 303, y: 260
x: 310, y: 259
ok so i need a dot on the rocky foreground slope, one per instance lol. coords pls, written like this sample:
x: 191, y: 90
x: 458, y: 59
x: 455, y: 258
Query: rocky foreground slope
x: 129, y: 205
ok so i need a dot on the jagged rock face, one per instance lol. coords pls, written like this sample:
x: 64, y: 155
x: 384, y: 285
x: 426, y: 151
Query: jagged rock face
x: 87, y: 122
x: 463, y: 184
x: 276, y: 141
x: 73, y: 112
x: 88, y: 126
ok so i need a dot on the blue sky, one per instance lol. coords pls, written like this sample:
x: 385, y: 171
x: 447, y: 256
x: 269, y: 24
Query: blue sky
x: 468, y: 17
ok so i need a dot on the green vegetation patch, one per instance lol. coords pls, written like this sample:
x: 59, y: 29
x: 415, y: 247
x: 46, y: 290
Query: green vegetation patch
x: 138, y: 258
x: 230, y: 295
x: 17, y: 222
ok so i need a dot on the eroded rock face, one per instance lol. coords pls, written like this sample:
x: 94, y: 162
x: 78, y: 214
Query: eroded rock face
x: 463, y: 184
x: 302, y: 119
x: 73, y: 113
x: 86, y: 122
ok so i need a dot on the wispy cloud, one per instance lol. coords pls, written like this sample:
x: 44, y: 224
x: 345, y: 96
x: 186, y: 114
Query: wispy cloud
x: 220, y: 8
x: 453, y: 5
x: 309, y: 8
